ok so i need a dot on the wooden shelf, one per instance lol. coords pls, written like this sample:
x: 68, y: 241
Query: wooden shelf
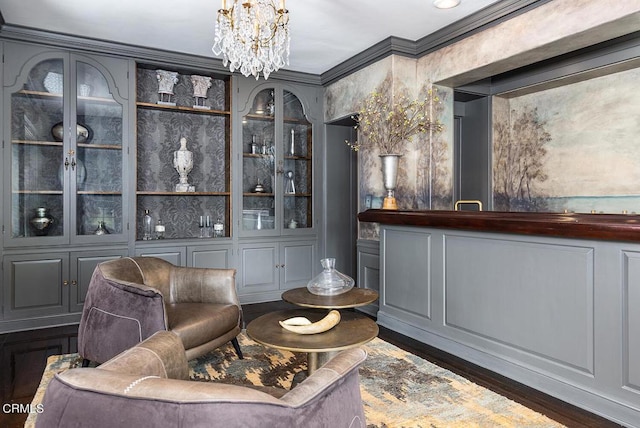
x: 264, y: 117
x: 303, y: 158
x: 264, y: 194
x: 100, y: 146
x: 184, y: 109
x: 38, y: 143
x: 37, y: 192
x: 45, y: 94
x: 161, y: 193
x: 296, y: 195
x: 256, y: 155
x: 99, y: 192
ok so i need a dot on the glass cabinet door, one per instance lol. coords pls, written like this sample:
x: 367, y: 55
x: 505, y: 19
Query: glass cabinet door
x: 37, y: 169
x: 297, y: 171
x: 98, y: 155
x: 277, y: 162
x: 258, y: 164
x: 65, y: 121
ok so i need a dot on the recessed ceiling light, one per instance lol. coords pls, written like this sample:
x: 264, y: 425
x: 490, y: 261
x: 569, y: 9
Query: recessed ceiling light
x: 445, y: 4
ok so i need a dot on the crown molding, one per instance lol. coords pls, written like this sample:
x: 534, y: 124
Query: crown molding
x: 138, y: 53
x: 479, y: 21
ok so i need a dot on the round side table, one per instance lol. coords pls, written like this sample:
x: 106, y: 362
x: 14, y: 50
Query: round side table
x: 351, y: 299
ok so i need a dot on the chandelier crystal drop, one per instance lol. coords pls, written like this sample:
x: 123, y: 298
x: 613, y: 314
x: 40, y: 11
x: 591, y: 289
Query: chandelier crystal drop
x: 252, y: 36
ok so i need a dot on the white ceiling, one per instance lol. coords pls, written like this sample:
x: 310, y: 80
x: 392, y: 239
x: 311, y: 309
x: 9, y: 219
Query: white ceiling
x: 324, y: 33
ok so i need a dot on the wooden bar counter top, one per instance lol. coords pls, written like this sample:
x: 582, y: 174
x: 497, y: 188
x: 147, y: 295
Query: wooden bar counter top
x: 611, y: 227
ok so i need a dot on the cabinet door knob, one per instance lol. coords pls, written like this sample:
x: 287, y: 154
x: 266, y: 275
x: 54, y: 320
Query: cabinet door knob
x: 65, y: 282
x: 66, y: 164
x: 74, y: 282
x: 73, y: 164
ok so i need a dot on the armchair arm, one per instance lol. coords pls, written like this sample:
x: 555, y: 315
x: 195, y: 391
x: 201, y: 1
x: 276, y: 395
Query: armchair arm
x: 200, y: 285
x: 116, y: 316
x: 160, y: 355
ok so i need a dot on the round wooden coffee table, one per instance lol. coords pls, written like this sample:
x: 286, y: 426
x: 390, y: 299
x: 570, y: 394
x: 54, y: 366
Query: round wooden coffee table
x: 351, y: 299
x: 354, y: 329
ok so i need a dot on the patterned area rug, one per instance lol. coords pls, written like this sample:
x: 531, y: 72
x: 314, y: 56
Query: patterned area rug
x: 398, y: 388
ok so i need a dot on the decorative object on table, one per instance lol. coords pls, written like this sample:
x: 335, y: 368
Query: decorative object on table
x: 252, y: 37
x: 302, y: 325
x: 330, y: 282
x: 289, y: 187
x: 292, y: 224
x: 159, y: 229
x: 201, y: 85
x: 387, y: 120
x: 41, y: 221
x: 84, y: 90
x: 389, y: 179
x: 218, y: 228
x: 258, y: 188
x: 101, y: 229
x: 292, y: 148
x: 166, y: 81
x: 147, y: 223
x: 53, y: 82
x: 83, y: 132
x: 183, y: 163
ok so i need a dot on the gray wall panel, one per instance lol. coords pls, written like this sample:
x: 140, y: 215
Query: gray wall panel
x: 631, y: 327
x: 499, y: 289
x: 406, y: 278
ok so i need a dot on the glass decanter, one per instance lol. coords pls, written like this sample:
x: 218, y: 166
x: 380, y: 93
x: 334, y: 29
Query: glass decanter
x: 330, y: 282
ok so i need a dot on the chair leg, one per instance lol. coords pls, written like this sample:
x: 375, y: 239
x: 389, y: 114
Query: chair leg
x: 236, y: 346
x: 85, y: 362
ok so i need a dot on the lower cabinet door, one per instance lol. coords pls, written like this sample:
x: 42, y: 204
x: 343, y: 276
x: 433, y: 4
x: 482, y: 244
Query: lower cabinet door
x: 259, y: 268
x: 297, y: 264
x: 36, y: 285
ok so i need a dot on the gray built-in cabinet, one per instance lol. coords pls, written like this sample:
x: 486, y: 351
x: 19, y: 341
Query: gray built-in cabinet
x: 95, y: 184
x: 278, y: 222
x: 59, y: 186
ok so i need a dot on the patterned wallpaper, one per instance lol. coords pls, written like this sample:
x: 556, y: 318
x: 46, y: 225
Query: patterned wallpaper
x: 546, y: 31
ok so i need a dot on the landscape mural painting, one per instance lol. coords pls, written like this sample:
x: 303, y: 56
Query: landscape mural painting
x: 571, y: 148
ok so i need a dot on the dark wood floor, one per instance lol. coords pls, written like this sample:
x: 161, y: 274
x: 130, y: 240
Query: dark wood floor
x: 23, y: 357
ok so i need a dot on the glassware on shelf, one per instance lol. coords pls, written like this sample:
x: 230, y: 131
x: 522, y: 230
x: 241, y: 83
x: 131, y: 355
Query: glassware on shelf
x: 330, y: 282
x: 290, y: 187
x: 292, y: 149
x: 218, y: 229
x: 159, y: 229
x: 147, y: 223
x: 202, y: 229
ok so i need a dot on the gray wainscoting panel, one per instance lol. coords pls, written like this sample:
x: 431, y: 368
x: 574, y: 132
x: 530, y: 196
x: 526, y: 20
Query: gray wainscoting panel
x: 217, y: 258
x: 631, y: 326
x: 532, y: 296
x: 406, y: 279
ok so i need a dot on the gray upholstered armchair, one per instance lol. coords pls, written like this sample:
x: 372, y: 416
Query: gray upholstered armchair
x: 129, y: 299
x: 147, y: 386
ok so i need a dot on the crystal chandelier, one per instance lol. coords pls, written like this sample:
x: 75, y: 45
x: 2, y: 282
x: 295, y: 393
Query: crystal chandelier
x: 253, y: 36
